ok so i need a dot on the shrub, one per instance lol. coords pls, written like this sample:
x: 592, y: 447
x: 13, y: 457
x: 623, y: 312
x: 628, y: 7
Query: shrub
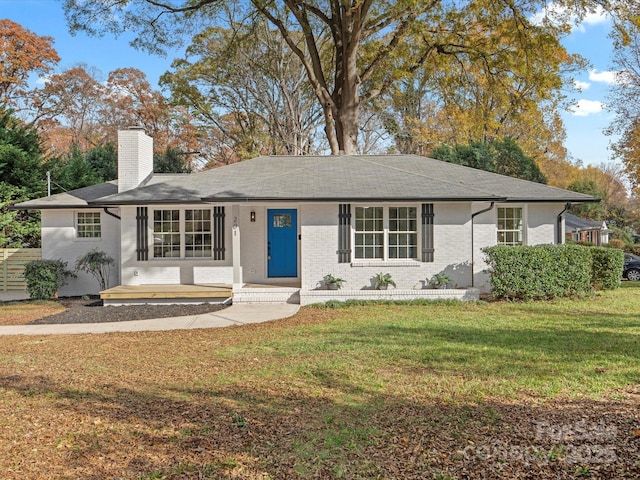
x: 607, y: 264
x: 540, y: 271
x: 45, y: 277
x: 634, y: 250
x: 623, y: 234
x: 98, y: 264
x: 616, y: 243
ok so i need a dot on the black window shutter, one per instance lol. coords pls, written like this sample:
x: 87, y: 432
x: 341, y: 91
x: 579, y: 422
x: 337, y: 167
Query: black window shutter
x: 218, y: 233
x: 344, y: 233
x: 142, y: 235
x: 427, y: 232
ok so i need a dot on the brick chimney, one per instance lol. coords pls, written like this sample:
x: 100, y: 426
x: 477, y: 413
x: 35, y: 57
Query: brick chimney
x: 135, y: 158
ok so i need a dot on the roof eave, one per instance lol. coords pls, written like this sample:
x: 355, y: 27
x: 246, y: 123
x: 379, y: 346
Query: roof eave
x: 549, y: 200
x: 351, y: 199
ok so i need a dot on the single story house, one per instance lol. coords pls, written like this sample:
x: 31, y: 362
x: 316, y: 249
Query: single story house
x: 288, y: 221
x: 582, y: 230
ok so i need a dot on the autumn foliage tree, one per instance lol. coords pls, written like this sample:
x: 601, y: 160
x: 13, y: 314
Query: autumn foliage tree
x: 22, y: 53
x: 479, y: 98
x: 78, y: 109
x: 355, y: 50
x: 72, y: 100
x: 248, y: 89
x: 625, y: 102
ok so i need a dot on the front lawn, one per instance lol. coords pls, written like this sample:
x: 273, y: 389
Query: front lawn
x: 22, y: 313
x: 511, y: 390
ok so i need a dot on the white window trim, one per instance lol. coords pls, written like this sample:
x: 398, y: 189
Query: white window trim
x: 525, y: 221
x: 385, y: 261
x: 182, y: 232
x: 75, y: 226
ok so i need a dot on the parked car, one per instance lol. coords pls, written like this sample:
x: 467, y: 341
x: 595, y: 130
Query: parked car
x: 631, y: 269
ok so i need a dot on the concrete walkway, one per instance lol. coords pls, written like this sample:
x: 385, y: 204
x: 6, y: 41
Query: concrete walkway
x: 240, y: 314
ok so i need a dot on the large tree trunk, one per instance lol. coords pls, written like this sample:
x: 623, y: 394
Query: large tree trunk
x: 330, y: 129
x: 347, y: 82
x: 346, y: 128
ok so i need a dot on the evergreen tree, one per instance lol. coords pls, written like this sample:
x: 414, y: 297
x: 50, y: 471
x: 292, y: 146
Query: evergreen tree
x: 22, y: 175
x: 170, y: 161
x: 73, y: 171
x: 500, y: 156
x: 104, y: 161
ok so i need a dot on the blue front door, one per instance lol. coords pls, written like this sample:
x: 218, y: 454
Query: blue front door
x: 282, y: 247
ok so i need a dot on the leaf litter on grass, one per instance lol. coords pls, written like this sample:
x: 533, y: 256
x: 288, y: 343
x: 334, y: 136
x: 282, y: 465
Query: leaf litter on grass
x: 297, y: 398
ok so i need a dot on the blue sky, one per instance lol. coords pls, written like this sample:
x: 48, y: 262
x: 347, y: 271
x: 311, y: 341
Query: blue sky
x: 584, y: 125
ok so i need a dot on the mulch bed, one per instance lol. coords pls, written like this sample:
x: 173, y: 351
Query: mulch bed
x: 90, y: 310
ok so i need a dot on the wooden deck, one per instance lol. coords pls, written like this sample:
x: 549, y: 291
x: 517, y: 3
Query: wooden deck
x: 166, y: 293
x: 209, y: 293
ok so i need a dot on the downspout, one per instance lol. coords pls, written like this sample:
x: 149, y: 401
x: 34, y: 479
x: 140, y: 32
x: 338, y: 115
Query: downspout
x: 474, y: 215
x: 559, y: 238
x: 119, y: 269
x: 110, y: 213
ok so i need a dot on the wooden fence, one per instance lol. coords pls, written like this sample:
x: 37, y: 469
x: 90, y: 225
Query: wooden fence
x: 12, y: 271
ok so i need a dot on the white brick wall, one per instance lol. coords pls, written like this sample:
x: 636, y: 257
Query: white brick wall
x: 542, y: 222
x: 135, y: 158
x: 171, y: 271
x: 320, y: 243
x: 59, y: 242
x: 253, y: 239
x: 318, y: 226
x: 452, y: 243
x: 541, y: 219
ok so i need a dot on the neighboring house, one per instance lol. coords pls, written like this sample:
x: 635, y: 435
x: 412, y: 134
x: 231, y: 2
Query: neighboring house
x: 583, y: 230
x: 287, y: 220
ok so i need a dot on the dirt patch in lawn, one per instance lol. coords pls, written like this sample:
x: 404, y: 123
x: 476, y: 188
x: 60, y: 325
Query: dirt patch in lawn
x: 90, y: 310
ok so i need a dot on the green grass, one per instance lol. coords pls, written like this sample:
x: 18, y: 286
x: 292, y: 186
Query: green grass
x: 566, y: 347
x: 362, y: 391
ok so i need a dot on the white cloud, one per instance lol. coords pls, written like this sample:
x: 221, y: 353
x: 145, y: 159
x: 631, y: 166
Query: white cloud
x: 551, y: 13
x: 604, y: 77
x: 43, y: 79
x: 596, y: 17
x: 558, y: 14
x: 586, y: 107
x: 579, y: 85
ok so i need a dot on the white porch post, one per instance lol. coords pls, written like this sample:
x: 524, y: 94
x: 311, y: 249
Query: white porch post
x: 237, y: 267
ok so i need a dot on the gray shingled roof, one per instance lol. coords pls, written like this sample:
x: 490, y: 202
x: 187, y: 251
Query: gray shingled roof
x: 341, y: 178
x: 86, y: 197
x: 73, y: 199
x: 574, y: 223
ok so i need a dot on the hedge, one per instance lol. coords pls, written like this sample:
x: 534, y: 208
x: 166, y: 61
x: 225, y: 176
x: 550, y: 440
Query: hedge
x: 540, y: 271
x: 606, y: 272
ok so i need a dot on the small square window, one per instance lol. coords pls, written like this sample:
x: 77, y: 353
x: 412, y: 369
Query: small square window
x: 88, y: 225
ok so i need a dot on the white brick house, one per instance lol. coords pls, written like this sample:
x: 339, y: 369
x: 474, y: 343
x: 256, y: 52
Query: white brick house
x: 292, y: 220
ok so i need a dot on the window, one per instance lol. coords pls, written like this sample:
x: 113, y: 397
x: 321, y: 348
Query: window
x: 197, y: 227
x: 188, y: 233
x: 282, y: 221
x: 166, y: 233
x: 386, y: 233
x: 369, y: 232
x: 88, y: 225
x: 510, y: 226
x: 403, y: 232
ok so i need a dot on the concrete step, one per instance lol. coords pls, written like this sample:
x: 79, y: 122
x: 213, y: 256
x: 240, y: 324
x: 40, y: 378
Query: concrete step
x: 266, y: 295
